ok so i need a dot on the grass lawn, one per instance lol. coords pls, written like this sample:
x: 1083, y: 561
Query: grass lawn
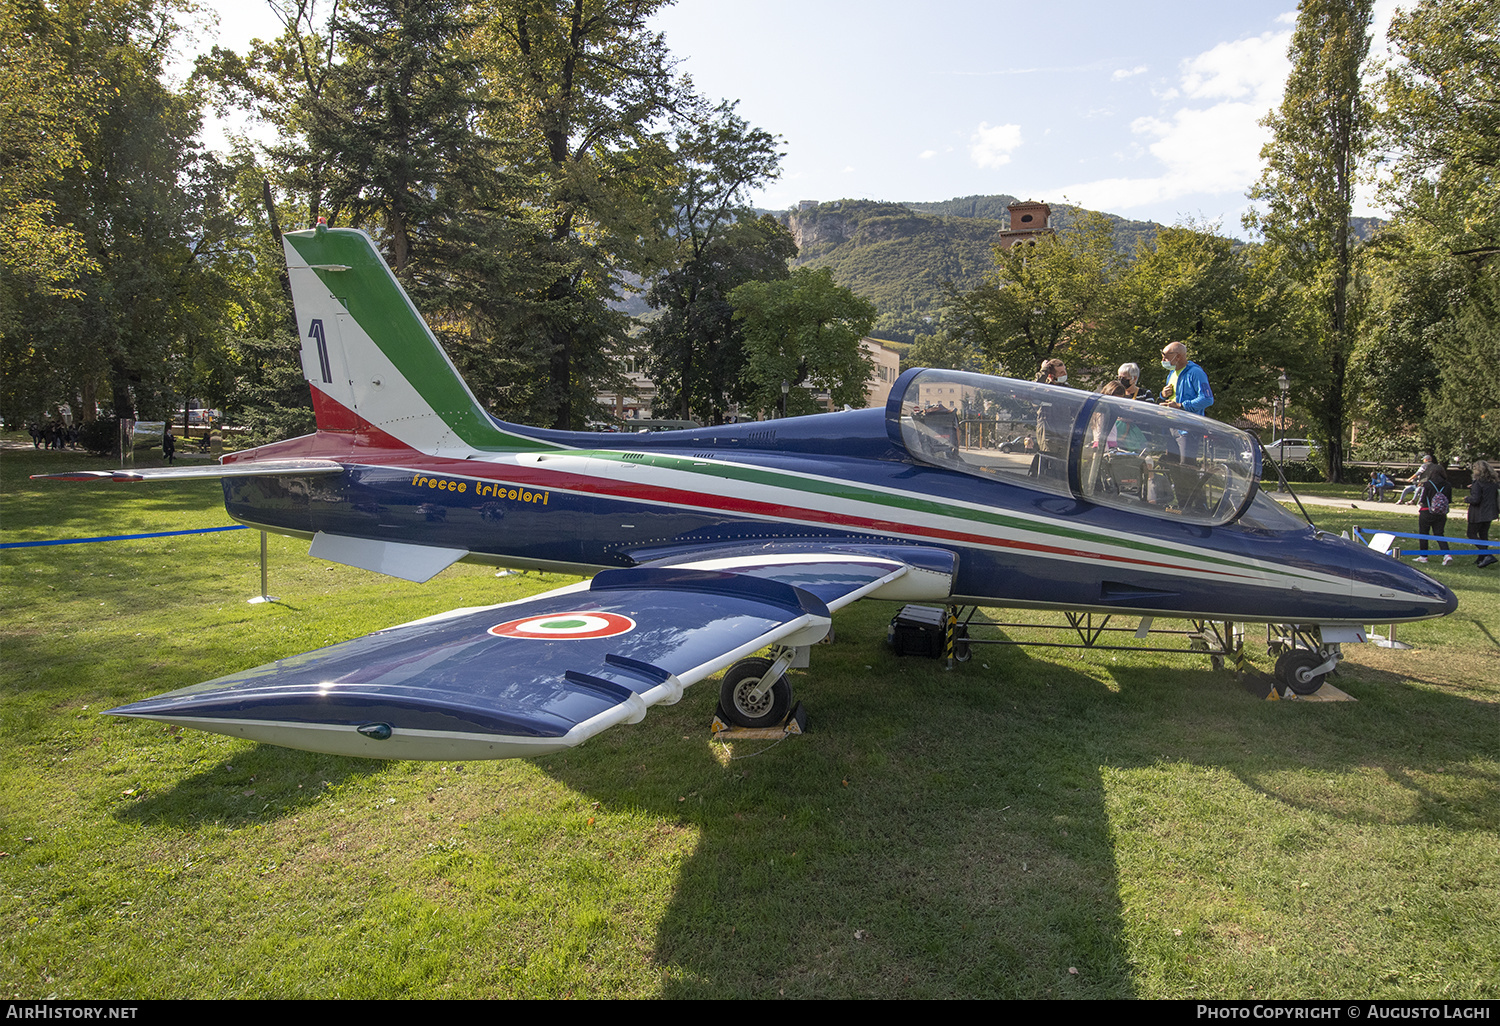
x: 1037, y: 823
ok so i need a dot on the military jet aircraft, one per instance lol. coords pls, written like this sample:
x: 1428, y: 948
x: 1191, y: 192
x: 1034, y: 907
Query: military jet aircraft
x: 708, y: 545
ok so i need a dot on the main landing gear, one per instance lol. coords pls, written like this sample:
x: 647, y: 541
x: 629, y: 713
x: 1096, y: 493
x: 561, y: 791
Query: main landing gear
x: 755, y: 694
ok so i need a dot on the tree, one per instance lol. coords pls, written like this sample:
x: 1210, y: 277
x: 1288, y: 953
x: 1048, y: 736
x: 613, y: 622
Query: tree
x: 1320, y: 135
x: 1442, y: 122
x: 804, y: 330
x: 1224, y: 302
x: 696, y: 354
x: 1463, y: 408
x: 138, y: 195
x: 397, y: 121
x: 580, y: 91
x: 283, y: 83
x: 942, y: 350
x: 696, y: 346
x: 1413, y: 294
x: 45, y: 110
x: 1431, y: 353
x: 1043, y: 300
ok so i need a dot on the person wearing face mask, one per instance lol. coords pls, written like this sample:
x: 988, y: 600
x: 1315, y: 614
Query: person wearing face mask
x: 1053, y: 372
x: 1187, y: 384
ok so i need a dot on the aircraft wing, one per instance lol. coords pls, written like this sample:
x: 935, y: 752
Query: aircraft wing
x: 255, y: 468
x: 534, y: 676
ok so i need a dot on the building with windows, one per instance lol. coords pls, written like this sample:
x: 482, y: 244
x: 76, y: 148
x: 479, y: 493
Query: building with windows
x: 887, y: 369
x: 1029, y: 221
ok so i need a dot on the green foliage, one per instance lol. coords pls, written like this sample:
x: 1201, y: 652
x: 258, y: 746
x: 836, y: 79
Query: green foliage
x: 1442, y: 123
x: 1463, y: 409
x: 1440, y: 282
x: 1413, y: 293
x: 397, y: 122
x: 901, y: 260
x: 1225, y: 302
x: 1296, y: 472
x: 100, y: 436
x: 905, y: 256
x: 942, y: 350
x: 44, y: 109
x: 694, y: 349
x: 1042, y: 300
x: 1376, y: 446
x: 578, y: 90
x: 991, y: 208
x: 141, y: 195
x: 696, y: 346
x: 1320, y: 136
x: 804, y: 329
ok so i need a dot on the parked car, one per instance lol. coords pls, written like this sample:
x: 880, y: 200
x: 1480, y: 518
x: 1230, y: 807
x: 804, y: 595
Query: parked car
x: 1291, y: 449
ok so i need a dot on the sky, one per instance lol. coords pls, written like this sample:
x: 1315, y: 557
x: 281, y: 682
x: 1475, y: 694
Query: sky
x: 1147, y: 109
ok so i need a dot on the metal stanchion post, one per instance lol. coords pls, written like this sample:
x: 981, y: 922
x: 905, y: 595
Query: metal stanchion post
x: 262, y: 597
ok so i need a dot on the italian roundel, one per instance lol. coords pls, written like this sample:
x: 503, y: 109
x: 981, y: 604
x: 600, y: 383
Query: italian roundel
x: 565, y: 626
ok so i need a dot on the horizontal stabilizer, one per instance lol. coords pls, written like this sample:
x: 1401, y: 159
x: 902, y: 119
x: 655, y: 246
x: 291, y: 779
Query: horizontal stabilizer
x: 520, y: 679
x: 207, y: 471
x: 394, y: 559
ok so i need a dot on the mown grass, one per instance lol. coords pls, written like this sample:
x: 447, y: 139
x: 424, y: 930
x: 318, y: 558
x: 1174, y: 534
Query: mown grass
x: 1036, y: 823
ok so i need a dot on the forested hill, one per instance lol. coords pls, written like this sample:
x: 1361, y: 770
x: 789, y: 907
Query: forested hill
x: 900, y: 255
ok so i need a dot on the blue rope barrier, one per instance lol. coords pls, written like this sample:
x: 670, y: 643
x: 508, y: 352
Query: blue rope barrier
x: 119, y: 537
x: 1364, y: 535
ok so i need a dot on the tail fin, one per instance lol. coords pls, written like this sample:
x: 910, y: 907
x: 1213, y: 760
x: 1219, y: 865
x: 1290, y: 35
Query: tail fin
x: 369, y: 356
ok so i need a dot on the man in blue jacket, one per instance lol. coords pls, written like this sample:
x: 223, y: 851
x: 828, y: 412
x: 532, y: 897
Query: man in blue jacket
x: 1187, y: 385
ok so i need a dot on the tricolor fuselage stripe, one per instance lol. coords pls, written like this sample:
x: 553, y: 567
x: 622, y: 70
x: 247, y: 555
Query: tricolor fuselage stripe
x: 948, y: 523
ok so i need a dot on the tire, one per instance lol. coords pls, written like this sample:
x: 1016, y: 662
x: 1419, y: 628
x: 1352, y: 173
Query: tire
x: 772, y: 708
x: 1292, y: 669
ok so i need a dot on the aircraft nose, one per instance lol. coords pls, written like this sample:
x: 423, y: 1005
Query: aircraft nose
x: 1405, y: 592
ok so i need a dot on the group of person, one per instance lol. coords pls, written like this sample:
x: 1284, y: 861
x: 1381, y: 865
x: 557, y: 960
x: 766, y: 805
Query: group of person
x: 1187, y: 388
x: 1187, y: 385
x: 53, y: 435
x: 1434, y: 499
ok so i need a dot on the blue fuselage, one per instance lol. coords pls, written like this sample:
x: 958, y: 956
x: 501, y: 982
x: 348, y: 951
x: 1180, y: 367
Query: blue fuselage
x: 838, y: 479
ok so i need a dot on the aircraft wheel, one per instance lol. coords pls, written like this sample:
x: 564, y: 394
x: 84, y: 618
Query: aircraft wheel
x: 744, y: 711
x: 962, y: 652
x: 1294, y: 669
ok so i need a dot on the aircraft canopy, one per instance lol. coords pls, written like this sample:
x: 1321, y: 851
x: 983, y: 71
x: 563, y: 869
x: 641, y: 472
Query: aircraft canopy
x: 1107, y: 450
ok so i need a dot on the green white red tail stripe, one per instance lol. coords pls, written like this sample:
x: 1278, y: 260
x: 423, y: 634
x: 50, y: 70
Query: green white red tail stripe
x: 365, y: 349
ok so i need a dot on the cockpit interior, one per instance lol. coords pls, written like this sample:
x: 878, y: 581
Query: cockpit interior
x: 1108, y: 450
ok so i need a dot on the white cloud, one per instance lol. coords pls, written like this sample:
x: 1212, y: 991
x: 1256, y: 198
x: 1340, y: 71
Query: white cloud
x: 1123, y: 73
x: 927, y: 154
x: 992, y: 146
x: 1247, y: 68
x: 1207, y: 138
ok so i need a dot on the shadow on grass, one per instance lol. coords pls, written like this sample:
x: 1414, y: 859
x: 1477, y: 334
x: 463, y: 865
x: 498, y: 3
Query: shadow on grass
x: 933, y: 836
x: 948, y: 834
